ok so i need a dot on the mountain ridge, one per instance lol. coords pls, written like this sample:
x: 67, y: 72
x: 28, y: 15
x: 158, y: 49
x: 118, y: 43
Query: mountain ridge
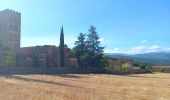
x: 154, y: 58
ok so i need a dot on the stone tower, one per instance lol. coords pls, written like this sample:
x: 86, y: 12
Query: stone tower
x: 10, y: 29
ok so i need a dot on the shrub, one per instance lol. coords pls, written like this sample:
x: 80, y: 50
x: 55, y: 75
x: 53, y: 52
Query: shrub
x: 163, y: 70
x: 121, y: 67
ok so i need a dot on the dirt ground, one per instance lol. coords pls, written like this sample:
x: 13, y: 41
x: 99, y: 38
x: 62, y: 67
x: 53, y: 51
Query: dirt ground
x: 85, y: 87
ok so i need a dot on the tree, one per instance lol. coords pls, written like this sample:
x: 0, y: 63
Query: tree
x: 95, y: 51
x: 9, y: 58
x: 61, y: 48
x: 88, y: 51
x: 47, y: 57
x: 80, y: 49
x: 35, y: 58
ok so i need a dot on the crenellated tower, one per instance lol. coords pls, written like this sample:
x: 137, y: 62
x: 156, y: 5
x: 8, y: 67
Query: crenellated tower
x: 10, y: 28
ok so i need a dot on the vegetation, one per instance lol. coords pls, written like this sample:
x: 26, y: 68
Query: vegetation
x: 141, y: 65
x: 163, y: 70
x: 155, y: 58
x: 7, y: 56
x: 88, y: 50
x: 47, y: 57
x: 119, y: 64
x: 121, y: 67
x: 61, y: 48
x: 81, y: 50
x: 35, y: 58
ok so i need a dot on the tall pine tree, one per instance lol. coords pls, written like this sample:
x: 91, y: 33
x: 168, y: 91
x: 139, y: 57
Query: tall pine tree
x: 61, y: 48
x: 88, y: 51
x: 95, y: 51
x: 80, y: 50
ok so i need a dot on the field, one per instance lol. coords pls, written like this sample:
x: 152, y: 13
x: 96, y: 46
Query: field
x: 85, y: 87
x: 161, y: 69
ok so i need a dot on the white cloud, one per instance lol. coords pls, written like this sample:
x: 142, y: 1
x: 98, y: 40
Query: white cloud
x: 115, y: 50
x: 144, y: 41
x: 101, y: 40
x: 145, y: 49
x: 140, y: 49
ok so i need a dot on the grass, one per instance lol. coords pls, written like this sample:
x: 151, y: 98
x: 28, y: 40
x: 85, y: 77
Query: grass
x: 85, y: 87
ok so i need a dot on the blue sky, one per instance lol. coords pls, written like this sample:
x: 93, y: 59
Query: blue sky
x: 124, y: 26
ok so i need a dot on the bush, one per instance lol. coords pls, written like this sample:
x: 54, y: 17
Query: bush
x: 142, y: 67
x: 121, y: 68
x: 163, y: 70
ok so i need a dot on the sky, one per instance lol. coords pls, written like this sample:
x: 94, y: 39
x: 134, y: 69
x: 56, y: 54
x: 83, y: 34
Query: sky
x: 124, y: 26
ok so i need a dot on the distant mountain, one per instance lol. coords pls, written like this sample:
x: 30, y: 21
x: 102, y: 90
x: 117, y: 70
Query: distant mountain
x: 160, y: 55
x: 155, y: 58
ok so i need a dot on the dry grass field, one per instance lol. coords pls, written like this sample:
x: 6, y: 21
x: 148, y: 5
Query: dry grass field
x: 85, y: 87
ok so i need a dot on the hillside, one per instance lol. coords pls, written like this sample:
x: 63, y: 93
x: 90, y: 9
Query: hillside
x: 155, y: 58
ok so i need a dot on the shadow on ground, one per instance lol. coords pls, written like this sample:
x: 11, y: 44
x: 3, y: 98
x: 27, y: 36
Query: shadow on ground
x: 145, y: 76
x: 41, y: 80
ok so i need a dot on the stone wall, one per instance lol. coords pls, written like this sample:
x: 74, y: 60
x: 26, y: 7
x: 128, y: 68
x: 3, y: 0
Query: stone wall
x: 44, y: 56
x: 62, y: 70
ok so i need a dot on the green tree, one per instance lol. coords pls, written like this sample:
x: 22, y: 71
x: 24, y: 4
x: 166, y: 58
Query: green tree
x: 47, y: 57
x: 9, y: 58
x: 61, y: 48
x: 95, y: 50
x: 89, y: 51
x: 35, y: 58
x: 2, y: 49
x: 80, y: 49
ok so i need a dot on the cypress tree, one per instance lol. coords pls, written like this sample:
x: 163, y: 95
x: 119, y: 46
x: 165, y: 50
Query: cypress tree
x: 61, y: 48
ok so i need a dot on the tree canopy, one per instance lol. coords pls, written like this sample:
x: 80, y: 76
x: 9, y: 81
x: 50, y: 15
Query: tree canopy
x: 88, y: 49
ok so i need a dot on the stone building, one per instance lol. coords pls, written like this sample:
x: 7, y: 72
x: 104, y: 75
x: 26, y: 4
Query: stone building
x: 10, y: 28
x: 37, y: 56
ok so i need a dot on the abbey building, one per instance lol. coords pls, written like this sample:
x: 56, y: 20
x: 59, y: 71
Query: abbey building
x: 37, y: 56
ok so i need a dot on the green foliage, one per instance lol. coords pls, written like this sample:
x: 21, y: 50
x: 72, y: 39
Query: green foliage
x: 121, y: 67
x: 120, y: 64
x: 61, y: 48
x: 88, y: 51
x: 163, y: 70
x: 105, y: 61
x: 93, y: 43
x: 95, y: 51
x: 9, y: 58
x: 80, y: 50
x: 47, y: 58
x: 142, y: 65
x: 35, y: 58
